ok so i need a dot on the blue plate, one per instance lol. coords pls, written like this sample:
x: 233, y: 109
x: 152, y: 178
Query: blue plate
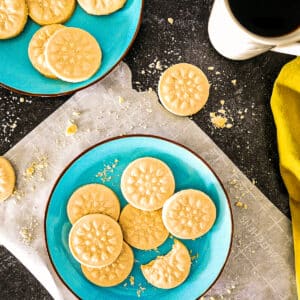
x: 115, y: 34
x: 209, y: 252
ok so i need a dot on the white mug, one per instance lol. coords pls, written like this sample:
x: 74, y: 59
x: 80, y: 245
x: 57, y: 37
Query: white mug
x: 234, y: 41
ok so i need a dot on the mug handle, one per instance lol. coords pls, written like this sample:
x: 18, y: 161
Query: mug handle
x: 292, y: 49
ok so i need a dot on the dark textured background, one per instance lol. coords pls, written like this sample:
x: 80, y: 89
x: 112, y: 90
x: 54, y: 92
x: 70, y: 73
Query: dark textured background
x: 250, y: 143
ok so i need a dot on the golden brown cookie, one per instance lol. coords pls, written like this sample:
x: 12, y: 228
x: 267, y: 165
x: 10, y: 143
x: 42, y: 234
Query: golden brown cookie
x: 183, y: 89
x: 114, y: 273
x: 7, y: 179
x: 171, y: 270
x: 73, y: 55
x: 147, y: 183
x: 189, y: 214
x: 142, y: 229
x: 13, y: 18
x: 91, y: 199
x: 96, y: 240
x: 101, y: 7
x: 47, y: 12
x: 36, y: 48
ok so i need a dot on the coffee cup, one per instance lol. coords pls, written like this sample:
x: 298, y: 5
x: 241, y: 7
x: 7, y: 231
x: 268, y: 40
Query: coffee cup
x: 238, y: 36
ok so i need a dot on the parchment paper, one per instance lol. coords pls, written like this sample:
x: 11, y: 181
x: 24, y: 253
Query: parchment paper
x: 261, y: 262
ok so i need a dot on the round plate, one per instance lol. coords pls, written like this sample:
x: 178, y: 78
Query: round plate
x: 115, y: 34
x: 190, y: 171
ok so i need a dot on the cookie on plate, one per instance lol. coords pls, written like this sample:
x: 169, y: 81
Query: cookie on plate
x: 143, y: 230
x: 189, y: 214
x: 47, y: 12
x: 147, y: 183
x: 101, y: 7
x: 73, y: 55
x: 36, y: 48
x: 96, y: 240
x: 91, y: 199
x: 114, y: 273
x: 171, y: 270
x: 13, y: 18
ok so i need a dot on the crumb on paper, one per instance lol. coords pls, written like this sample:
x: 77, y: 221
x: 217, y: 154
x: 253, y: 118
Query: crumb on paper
x: 131, y: 280
x: 76, y: 113
x: 28, y: 231
x: 121, y: 99
x: 241, y: 204
x: 150, y: 90
x: 71, y: 129
x: 105, y: 174
x: 35, y: 168
x: 234, y: 82
x: 171, y: 21
x: 211, y: 68
x: 254, y: 181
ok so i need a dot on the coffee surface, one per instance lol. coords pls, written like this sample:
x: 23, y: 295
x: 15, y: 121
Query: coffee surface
x: 268, y: 18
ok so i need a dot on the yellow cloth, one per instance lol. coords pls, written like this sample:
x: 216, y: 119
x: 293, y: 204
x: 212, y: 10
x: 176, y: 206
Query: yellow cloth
x: 285, y: 103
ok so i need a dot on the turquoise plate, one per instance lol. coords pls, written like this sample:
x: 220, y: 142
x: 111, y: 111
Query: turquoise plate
x: 209, y: 252
x: 115, y: 34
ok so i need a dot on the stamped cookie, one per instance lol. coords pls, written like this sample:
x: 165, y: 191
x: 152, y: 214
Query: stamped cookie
x: 96, y: 240
x: 147, y: 183
x: 143, y: 230
x: 73, y: 55
x: 7, y: 179
x: 91, y: 199
x: 183, y: 89
x: 47, y: 12
x: 101, y: 7
x: 36, y: 48
x: 189, y: 214
x: 114, y: 273
x: 171, y: 270
x: 13, y: 18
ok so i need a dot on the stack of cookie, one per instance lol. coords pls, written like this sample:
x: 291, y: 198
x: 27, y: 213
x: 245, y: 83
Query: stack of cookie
x: 100, y: 243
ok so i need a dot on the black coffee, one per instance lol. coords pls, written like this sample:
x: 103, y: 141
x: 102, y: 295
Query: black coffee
x: 268, y: 18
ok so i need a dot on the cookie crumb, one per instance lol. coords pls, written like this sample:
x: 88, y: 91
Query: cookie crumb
x: 241, y: 204
x: 27, y: 232
x: 71, y: 129
x: 121, y: 100
x: 234, y: 82
x: 218, y: 73
x: 131, y: 280
x: 219, y: 121
x: 210, y: 68
x: 158, y: 66
x: 171, y: 21
x: 22, y: 100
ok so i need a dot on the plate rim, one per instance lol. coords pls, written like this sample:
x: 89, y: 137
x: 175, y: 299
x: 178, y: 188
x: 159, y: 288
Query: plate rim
x: 18, y: 91
x: 137, y: 136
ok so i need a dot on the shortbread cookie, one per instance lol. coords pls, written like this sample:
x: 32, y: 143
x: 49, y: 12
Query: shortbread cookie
x: 73, y: 55
x: 96, y: 240
x: 47, y: 12
x: 147, y: 183
x: 7, y: 179
x: 101, y: 7
x: 189, y: 214
x: 114, y: 273
x: 36, y: 48
x: 143, y: 230
x: 171, y: 270
x: 91, y: 199
x: 13, y: 18
x: 183, y: 89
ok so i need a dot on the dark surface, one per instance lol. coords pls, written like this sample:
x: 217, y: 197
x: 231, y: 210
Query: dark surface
x: 250, y: 143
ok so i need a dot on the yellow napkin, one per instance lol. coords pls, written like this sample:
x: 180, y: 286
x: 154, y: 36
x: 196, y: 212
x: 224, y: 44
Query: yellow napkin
x: 285, y: 103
